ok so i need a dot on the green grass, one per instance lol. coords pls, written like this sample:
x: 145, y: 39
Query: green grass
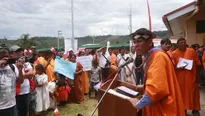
x: 73, y: 109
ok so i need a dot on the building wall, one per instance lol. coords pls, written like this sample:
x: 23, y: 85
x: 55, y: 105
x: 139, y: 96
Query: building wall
x: 191, y: 36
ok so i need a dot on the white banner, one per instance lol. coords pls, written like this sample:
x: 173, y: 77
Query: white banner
x: 86, y: 62
x: 68, y: 45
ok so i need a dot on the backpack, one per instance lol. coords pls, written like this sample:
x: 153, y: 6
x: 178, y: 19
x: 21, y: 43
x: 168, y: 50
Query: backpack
x: 12, y: 67
x: 18, y: 86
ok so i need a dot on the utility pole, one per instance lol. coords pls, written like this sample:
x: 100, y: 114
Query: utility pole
x: 72, y: 25
x: 93, y: 39
x: 130, y: 19
x: 59, y: 33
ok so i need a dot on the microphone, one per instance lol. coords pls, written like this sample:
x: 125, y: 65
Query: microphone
x: 128, y: 61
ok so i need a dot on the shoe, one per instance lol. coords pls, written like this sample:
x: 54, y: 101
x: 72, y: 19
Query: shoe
x: 195, y: 113
x: 56, y: 112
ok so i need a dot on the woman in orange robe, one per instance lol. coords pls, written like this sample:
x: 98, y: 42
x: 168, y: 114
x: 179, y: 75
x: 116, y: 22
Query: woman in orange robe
x: 78, y: 84
x: 85, y: 75
x: 41, y: 60
x: 50, y: 68
x: 188, y: 78
x: 47, y: 60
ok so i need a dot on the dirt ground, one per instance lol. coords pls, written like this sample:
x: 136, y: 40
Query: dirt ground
x: 202, y: 103
x: 89, y: 105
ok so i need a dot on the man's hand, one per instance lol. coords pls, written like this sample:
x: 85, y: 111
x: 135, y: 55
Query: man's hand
x: 19, y: 65
x: 181, y: 68
x: 139, y: 88
x: 133, y: 101
x: 3, y: 62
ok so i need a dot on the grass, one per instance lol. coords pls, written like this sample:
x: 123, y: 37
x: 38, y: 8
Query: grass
x: 73, y: 109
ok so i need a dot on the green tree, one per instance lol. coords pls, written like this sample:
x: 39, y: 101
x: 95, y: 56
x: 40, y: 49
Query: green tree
x: 26, y: 42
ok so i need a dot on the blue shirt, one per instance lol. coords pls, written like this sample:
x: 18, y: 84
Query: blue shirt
x: 144, y: 101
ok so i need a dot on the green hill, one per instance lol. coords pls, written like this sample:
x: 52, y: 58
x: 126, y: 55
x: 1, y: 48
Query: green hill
x: 46, y: 42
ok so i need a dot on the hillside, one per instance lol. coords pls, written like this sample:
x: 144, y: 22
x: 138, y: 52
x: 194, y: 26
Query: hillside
x: 46, y: 42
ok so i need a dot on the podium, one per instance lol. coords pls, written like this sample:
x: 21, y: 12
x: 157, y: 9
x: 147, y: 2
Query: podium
x: 113, y: 105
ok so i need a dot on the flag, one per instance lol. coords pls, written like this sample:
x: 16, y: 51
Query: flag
x: 149, y: 16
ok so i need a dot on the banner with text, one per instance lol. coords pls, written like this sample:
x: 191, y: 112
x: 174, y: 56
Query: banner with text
x: 65, y: 68
x: 86, y: 62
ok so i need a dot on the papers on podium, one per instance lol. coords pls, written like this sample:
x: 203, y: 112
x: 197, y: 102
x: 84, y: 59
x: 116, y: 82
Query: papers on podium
x: 113, y: 92
x: 127, y: 91
x: 123, y: 92
x: 188, y: 64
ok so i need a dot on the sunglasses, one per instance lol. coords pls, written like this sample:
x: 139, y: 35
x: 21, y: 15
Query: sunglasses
x: 146, y: 37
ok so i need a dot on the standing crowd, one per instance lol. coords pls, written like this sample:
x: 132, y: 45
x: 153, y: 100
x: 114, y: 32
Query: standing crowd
x: 29, y: 85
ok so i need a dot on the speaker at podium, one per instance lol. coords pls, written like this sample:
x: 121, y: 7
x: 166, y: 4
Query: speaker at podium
x: 114, y: 102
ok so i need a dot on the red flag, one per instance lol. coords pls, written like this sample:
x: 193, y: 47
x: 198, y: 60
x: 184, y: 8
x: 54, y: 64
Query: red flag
x: 53, y: 50
x: 30, y: 51
x: 150, y: 20
x: 25, y: 51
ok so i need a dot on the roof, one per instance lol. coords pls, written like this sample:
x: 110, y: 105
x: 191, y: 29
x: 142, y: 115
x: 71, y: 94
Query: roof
x: 177, y: 13
x: 48, y: 49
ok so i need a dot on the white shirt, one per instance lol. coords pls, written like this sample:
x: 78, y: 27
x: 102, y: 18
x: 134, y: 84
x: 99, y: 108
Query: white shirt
x: 102, y: 59
x: 8, y: 87
x: 132, y: 55
x: 25, y: 86
x: 121, y: 59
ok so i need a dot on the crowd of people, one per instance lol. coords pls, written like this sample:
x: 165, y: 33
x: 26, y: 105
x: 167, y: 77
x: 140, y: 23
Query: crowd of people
x: 29, y: 85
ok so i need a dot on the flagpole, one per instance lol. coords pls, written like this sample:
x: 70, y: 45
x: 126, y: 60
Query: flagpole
x: 149, y: 16
x: 72, y: 25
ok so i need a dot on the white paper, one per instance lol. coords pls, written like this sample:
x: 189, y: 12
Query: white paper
x: 86, y: 62
x: 51, y: 86
x: 111, y: 91
x: 128, y: 90
x: 97, y: 86
x: 185, y: 62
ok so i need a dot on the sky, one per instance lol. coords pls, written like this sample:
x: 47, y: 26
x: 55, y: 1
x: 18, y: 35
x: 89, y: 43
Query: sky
x: 91, y: 17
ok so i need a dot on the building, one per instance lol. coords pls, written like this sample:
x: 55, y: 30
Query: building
x: 187, y: 21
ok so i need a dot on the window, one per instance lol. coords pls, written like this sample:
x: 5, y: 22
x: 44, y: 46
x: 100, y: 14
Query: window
x: 200, y: 26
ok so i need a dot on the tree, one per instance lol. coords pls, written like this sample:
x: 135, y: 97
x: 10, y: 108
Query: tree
x: 26, y: 42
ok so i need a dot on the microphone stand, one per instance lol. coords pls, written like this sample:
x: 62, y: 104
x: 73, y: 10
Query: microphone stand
x: 119, y: 70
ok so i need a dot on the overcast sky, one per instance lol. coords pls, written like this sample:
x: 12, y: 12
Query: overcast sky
x: 91, y: 17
